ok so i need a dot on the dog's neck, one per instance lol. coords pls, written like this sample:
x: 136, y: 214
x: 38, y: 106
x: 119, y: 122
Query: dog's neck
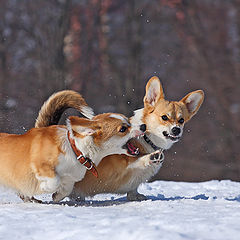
x: 136, y: 118
x: 147, y: 147
x: 89, y: 149
x: 156, y: 140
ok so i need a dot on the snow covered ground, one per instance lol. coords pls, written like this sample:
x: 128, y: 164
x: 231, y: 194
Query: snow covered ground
x: 175, y: 210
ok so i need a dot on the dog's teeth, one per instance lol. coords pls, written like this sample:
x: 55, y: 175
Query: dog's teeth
x: 137, y: 151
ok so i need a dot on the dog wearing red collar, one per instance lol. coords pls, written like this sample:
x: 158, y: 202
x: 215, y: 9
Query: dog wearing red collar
x: 51, y: 159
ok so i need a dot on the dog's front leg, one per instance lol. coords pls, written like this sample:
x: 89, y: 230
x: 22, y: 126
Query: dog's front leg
x: 144, y: 168
x: 64, y: 190
x: 154, y: 159
x: 49, y: 185
x: 27, y: 199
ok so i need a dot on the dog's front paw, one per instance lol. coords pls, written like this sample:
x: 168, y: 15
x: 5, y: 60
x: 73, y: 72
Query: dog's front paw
x: 156, y: 157
x: 29, y: 199
x: 57, y: 197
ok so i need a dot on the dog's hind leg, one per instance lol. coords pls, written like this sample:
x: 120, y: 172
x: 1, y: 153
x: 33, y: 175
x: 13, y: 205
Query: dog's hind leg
x: 76, y: 197
x: 49, y: 180
x: 134, y: 195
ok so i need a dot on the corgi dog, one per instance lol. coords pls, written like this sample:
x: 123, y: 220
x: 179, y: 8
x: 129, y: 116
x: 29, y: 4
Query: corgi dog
x: 51, y: 159
x: 164, y: 122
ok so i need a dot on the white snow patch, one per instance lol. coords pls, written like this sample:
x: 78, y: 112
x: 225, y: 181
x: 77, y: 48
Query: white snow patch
x: 175, y: 210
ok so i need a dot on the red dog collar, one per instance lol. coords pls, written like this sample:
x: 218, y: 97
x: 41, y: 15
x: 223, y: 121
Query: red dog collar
x: 87, y: 162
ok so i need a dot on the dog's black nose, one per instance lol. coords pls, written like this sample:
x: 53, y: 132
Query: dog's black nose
x: 176, y: 131
x: 143, y: 127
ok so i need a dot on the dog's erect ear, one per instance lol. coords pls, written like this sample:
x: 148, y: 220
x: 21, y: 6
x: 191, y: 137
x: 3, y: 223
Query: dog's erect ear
x: 82, y: 126
x: 154, y: 92
x: 84, y: 131
x: 193, y: 102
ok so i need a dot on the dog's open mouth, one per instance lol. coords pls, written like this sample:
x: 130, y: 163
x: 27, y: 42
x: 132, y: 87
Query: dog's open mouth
x: 131, y: 149
x: 171, y: 137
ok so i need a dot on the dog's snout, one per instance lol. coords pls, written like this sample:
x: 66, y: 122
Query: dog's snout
x: 143, y: 127
x: 176, y: 131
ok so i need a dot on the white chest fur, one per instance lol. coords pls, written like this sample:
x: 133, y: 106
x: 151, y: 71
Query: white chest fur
x: 68, y: 165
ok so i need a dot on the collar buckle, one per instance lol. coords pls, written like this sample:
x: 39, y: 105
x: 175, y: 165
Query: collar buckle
x: 91, y: 164
x: 87, y: 160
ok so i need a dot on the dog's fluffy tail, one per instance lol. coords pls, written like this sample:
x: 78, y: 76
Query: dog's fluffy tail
x: 51, y: 111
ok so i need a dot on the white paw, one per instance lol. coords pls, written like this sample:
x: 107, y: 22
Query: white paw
x: 57, y: 196
x: 64, y: 190
x: 156, y: 157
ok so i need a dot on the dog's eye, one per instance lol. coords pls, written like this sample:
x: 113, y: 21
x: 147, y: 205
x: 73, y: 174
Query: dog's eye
x: 181, y: 120
x: 123, y: 129
x: 164, y: 118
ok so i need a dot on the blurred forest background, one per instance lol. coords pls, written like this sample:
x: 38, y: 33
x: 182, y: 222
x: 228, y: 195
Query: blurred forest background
x: 108, y: 49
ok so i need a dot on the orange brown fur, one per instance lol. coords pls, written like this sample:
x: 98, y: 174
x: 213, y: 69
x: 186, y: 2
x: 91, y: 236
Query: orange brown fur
x: 113, y: 173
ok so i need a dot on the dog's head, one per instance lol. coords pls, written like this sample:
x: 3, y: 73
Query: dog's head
x: 108, y: 133
x: 165, y: 119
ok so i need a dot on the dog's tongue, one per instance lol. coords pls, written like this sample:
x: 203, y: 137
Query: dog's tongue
x: 132, y: 149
